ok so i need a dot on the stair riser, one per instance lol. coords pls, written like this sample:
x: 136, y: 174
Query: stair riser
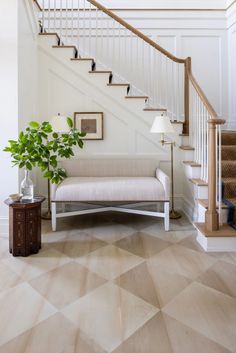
x: 229, y: 172
x: 100, y: 80
x: 187, y: 155
x: 47, y: 41
x: 200, y: 192
x: 185, y: 140
x: 135, y: 104
x: 63, y: 54
x: 82, y: 67
x: 116, y: 91
x: 228, y: 139
x: 229, y: 190
x: 228, y: 154
x: 192, y: 172
x: 202, y: 211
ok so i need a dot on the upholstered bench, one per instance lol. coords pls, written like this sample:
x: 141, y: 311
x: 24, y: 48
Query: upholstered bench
x: 112, y: 181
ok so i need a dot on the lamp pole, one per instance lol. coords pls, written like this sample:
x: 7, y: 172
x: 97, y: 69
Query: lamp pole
x: 162, y: 125
x: 173, y: 214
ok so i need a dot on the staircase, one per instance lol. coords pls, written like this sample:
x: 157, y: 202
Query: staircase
x: 100, y: 44
x: 229, y: 174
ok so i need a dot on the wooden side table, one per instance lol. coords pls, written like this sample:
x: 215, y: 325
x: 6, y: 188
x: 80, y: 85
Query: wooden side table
x: 25, y: 226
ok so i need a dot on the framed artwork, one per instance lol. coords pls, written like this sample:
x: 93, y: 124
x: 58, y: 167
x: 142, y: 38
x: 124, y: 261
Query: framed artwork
x: 91, y: 124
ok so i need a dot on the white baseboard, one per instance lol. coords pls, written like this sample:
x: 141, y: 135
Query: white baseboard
x: 4, y: 226
x: 217, y: 244
x: 188, y: 209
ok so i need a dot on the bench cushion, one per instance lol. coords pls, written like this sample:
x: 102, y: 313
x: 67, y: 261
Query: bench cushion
x: 110, y: 189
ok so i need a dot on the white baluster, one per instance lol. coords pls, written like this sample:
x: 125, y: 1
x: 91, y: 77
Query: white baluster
x: 171, y: 88
x: 49, y: 15
x: 217, y: 164
x: 166, y: 83
x: 108, y: 41
x: 60, y: 22
x: 96, y: 34
x: 143, y: 66
x: 66, y: 36
x: 43, y: 15
x: 84, y: 27
x: 220, y: 175
x: 90, y: 29
x: 72, y: 23
x: 131, y: 63
x: 154, y: 79
x: 78, y: 26
x: 148, y: 71
x: 195, y: 124
x: 101, y: 38
x: 201, y: 132
x: 207, y: 144
x: 54, y: 16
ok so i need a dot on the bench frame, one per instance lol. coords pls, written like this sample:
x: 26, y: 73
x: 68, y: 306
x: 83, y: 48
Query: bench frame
x: 121, y: 208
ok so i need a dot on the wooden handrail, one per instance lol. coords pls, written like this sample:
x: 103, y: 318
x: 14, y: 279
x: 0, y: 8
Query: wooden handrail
x: 136, y: 32
x: 202, y: 95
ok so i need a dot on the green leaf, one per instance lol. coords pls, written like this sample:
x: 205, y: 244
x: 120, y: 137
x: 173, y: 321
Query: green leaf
x: 82, y: 134
x: 34, y: 124
x: 70, y: 122
x: 48, y: 174
x: 55, y: 135
x: 28, y: 165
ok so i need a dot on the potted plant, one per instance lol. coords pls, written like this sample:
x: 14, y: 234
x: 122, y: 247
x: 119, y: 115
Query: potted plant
x: 40, y: 146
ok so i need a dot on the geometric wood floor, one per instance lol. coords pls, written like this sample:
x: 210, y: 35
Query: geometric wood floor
x: 118, y: 283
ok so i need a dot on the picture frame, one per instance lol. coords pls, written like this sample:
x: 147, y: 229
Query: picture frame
x: 91, y: 123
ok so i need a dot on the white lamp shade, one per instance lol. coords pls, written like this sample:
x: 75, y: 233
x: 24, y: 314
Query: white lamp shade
x: 59, y: 123
x: 162, y: 125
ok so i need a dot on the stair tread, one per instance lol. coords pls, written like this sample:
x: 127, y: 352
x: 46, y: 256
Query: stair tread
x: 49, y: 34
x: 64, y: 46
x: 229, y: 180
x: 228, y: 161
x: 82, y: 59
x: 198, y: 182
x: 136, y: 97
x: 177, y: 122
x: 187, y: 135
x: 204, y: 203
x: 155, y: 109
x: 192, y: 163
x: 187, y: 148
x: 224, y: 231
x: 118, y: 84
x: 100, y: 72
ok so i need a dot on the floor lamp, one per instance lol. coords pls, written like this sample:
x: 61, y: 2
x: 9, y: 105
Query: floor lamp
x: 162, y: 125
x: 59, y: 125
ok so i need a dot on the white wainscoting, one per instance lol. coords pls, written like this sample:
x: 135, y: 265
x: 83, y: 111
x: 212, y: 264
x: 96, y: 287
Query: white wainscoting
x: 232, y: 68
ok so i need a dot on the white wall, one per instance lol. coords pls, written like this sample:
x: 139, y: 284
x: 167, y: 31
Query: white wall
x: 8, y: 101
x: 18, y: 96
x: 232, y: 66
x: 28, y: 66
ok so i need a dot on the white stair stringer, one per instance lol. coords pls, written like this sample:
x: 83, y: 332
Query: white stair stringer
x: 83, y: 82
x: 100, y: 80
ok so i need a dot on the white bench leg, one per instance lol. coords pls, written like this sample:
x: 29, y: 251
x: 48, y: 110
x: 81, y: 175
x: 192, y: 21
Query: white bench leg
x: 54, y: 216
x: 167, y: 216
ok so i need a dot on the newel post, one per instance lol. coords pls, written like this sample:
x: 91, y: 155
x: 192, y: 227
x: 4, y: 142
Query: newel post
x: 187, y: 70
x: 212, y: 217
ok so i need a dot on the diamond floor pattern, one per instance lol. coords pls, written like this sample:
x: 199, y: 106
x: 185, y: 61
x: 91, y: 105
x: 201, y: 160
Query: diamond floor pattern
x: 117, y: 283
